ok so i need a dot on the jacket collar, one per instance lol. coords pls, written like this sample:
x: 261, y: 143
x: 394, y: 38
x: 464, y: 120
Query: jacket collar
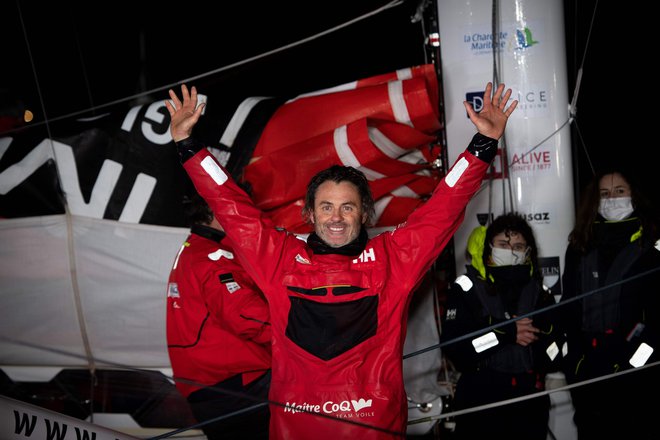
x: 353, y: 249
x: 208, y: 232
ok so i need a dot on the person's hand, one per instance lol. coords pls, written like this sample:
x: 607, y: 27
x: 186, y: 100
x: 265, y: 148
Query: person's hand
x: 184, y: 115
x: 525, y: 332
x: 491, y: 120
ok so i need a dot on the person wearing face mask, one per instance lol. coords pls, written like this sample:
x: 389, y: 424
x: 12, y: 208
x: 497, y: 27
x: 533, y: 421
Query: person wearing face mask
x: 612, y: 262
x: 502, y: 357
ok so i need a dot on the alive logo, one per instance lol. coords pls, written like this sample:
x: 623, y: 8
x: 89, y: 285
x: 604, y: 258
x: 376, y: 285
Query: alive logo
x: 531, y: 161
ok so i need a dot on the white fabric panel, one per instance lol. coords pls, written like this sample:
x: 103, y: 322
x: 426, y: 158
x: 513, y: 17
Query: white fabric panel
x: 122, y: 272
x: 22, y: 420
x: 420, y: 372
x: 35, y: 292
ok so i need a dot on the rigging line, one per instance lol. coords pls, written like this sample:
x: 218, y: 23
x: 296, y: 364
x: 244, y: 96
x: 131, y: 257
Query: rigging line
x: 34, y: 74
x: 88, y: 89
x: 291, y: 407
x: 584, y: 147
x: 573, y: 107
x: 505, y: 163
x: 419, y: 11
x: 425, y: 34
x: 504, y: 155
x: 125, y: 367
x: 532, y: 396
x: 494, y: 79
x: 572, y: 110
x: 578, y: 82
x: 385, y: 7
x: 495, y: 41
x: 280, y: 404
x: 532, y: 313
x: 554, y: 133
x: 138, y: 370
x: 289, y: 46
x: 209, y: 421
x: 182, y: 380
x: 283, y: 405
x: 67, y: 213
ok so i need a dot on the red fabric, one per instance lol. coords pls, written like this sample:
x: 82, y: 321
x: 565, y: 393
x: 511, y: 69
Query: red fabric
x: 384, y: 125
x: 275, y: 183
x: 364, y: 383
x: 395, y: 209
x: 213, y: 334
x: 310, y: 116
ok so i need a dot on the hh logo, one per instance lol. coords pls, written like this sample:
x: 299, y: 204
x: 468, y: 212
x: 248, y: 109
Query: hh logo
x: 366, y: 255
x: 361, y: 404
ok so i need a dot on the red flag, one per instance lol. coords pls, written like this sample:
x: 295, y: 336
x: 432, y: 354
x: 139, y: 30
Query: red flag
x: 385, y: 126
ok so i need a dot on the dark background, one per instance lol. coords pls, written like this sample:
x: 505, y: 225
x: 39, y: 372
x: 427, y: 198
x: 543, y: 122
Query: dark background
x: 68, y: 57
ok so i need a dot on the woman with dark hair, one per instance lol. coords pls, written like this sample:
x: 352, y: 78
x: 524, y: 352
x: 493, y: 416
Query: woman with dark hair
x: 612, y: 260
x: 511, y: 360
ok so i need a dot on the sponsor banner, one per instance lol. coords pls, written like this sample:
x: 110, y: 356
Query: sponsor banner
x: 551, y: 275
x: 19, y: 420
x: 532, y: 173
x: 123, y: 165
x: 92, y: 208
x: 120, y: 285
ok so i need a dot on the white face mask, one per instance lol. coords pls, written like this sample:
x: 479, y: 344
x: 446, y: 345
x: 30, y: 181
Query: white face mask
x: 507, y: 257
x: 615, y: 208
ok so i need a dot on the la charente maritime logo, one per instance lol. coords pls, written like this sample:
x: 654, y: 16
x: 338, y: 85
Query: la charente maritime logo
x: 524, y: 38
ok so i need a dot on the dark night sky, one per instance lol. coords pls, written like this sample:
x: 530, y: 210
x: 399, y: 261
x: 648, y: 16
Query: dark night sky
x: 94, y: 52
x: 86, y: 54
x: 615, y: 101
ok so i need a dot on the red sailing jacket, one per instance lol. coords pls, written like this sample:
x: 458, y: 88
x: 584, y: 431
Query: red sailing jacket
x: 339, y: 322
x: 216, y: 316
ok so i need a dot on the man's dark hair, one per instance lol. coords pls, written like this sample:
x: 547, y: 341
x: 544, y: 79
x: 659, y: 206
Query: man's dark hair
x: 339, y: 173
x: 508, y: 223
x: 196, y: 210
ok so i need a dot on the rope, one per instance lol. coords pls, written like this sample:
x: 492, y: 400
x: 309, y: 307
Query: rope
x: 67, y: 213
x: 191, y: 79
